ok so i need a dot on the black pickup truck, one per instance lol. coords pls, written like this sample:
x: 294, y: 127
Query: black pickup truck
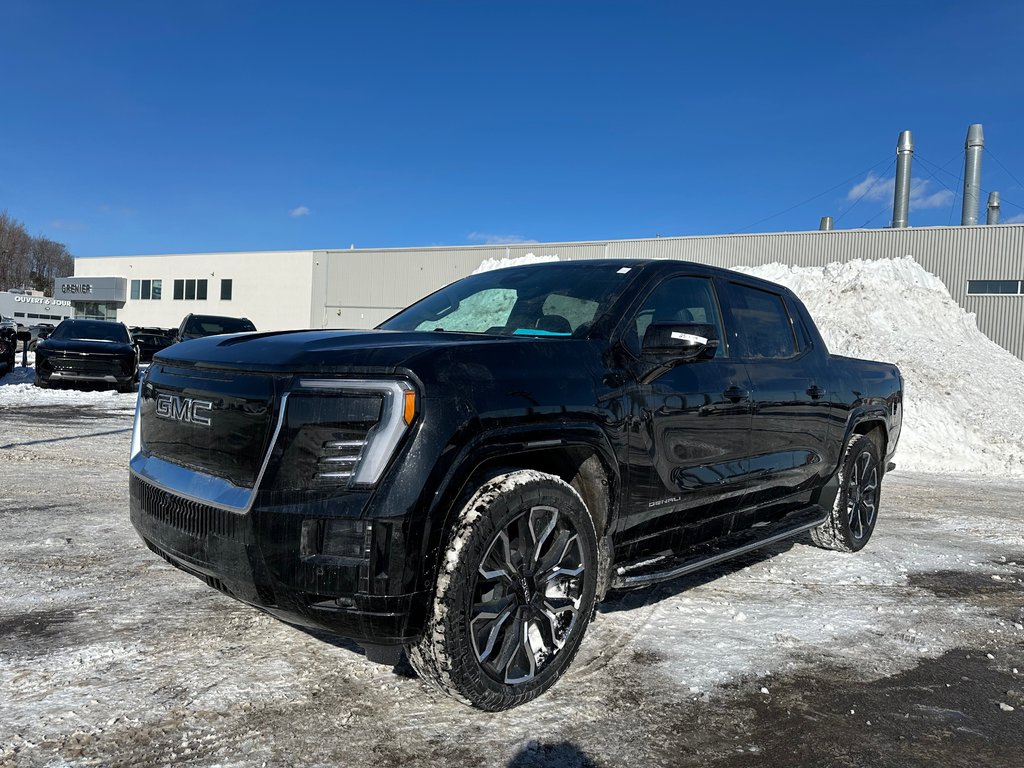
x: 469, y: 479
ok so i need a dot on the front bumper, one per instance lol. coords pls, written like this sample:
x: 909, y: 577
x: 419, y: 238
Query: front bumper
x: 96, y: 370
x: 254, y: 557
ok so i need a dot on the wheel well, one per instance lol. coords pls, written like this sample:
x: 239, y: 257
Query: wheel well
x: 875, y: 432
x: 579, y: 466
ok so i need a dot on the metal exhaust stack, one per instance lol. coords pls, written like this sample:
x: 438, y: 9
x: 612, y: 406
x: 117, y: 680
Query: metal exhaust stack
x: 972, y: 174
x: 901, y: 194
x: 826, y: 224
x: 993, y: 208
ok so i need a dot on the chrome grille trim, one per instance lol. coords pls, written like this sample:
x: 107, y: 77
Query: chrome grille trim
x: 192, y: 484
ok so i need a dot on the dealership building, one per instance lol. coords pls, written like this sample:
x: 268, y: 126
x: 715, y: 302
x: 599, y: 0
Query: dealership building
x: 982, y: 266
x: 29, y: 307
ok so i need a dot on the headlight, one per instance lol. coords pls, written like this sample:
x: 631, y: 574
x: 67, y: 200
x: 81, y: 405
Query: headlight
x: 339, y: 433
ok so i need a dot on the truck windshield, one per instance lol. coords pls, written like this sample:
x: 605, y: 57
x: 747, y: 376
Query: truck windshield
x: 91, y: 330
x: 559, y: 300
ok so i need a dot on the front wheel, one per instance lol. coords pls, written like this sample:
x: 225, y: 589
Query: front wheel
x: 855, y: 511
x: 514, y: 594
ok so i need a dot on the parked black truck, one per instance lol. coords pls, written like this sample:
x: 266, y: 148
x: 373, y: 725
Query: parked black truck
x: 469, y: 479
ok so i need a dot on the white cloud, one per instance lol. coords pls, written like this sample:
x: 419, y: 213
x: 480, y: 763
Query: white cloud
x: 1018, y: 219
x: 300, y: 211
x: 872, y: 188
x: 67, y: 225
x: 876, y: 188
x: 489, y: 239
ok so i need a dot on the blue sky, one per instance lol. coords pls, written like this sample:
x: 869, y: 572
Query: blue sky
x: 205, y: 126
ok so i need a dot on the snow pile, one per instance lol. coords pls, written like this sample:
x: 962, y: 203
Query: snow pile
x: 963, y: 393
x: 488, y: 264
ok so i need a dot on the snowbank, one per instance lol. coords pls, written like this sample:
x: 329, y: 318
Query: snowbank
x: 488, y: 264
x: 964, y: 393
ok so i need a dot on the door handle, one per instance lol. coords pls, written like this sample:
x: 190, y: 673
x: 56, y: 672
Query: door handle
x: 735, y: 394
x: 816, y: 392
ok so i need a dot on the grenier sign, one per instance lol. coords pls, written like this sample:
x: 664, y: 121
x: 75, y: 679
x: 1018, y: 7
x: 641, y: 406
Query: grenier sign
x: 108, y: 290
x: 76, y: 288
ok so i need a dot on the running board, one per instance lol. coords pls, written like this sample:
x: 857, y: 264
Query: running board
x: 681, y: 567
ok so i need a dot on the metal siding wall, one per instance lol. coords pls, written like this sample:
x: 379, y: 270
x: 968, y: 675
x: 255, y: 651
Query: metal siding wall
x: 374, y: 283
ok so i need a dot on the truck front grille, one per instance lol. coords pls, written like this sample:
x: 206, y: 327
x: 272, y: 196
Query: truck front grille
x: 192, y: 518
x: 87, y: 366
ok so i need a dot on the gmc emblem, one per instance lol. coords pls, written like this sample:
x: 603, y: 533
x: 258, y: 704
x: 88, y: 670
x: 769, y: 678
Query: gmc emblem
x: 175, y: 408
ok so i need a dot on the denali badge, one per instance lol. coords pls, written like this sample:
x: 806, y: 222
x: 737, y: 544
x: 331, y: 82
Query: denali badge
x: 175, y: 408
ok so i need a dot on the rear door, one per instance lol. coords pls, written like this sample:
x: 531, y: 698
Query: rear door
x: 789, y: 391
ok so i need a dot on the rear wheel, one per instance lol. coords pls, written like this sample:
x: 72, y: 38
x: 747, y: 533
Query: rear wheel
x: 514, y: 595
x: 856, y: 507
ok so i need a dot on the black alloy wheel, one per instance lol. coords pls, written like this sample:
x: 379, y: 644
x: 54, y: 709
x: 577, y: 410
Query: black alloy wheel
x: 527, y: 595
x: 515, y: 592
x: 862, y: 496
x: 855, y: 511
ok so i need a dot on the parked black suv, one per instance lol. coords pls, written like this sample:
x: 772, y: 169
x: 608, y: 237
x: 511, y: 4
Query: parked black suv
x: 88, y: 352
x: 469, y: 479
x: 198, y: 326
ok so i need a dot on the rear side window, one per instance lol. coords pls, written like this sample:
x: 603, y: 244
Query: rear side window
x: 761, y: 324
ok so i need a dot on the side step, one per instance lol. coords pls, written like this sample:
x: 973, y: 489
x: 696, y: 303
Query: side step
x: 641, y: 574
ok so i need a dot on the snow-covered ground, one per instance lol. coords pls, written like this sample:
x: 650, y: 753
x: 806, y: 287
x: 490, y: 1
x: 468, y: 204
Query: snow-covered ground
x: 905, y: 654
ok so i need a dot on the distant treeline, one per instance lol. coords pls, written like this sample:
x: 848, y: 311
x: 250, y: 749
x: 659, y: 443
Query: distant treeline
x: 31, y: 262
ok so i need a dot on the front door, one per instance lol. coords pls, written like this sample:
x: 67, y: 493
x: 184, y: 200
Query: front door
x: 689, y: 432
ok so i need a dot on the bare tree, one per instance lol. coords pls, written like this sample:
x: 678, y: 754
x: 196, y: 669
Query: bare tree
x: 27, y: 261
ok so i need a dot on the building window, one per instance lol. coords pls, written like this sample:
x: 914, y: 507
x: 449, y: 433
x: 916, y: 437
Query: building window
x: 225, y: 290
x: 158, y: 289
x: 146, y: 289
x: 993, y: 287
x: 189, y: 290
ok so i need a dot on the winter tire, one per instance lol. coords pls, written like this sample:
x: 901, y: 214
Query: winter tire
x: 41, y: 383
x: 855, y: 511
x: 515, y: 592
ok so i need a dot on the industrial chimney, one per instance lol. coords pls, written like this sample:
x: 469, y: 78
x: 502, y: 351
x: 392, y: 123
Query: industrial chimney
x: 901, y: 194
x: 993, y: 208
x: 972, y: 174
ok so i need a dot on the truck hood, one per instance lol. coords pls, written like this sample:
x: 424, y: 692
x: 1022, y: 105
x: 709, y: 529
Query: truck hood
x: 323, y: 351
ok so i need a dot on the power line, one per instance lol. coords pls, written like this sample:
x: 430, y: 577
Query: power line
x: 952, y: 205
x: 958, y: 178
x: 914, y: 186
x: 865, y: 192
x: 811, y: 199
x: 989, y: 152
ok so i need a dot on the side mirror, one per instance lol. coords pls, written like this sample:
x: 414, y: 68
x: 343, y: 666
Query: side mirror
x: 680, y: 341
x: 24, y: 335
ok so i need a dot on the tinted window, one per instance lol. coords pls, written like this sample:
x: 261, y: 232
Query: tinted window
x: 541, y: 300
x: 761, y: 323
x: 225, y: 290
x: 204, y: 325
x: 179, y: 289
x: 91, y: 330
x: 677, y: 300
